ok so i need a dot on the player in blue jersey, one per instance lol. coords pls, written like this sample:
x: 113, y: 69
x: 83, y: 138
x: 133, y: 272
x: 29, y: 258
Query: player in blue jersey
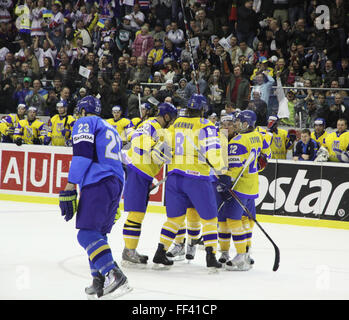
x: 97, y: 170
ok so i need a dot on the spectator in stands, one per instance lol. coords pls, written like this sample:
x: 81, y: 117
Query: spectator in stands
x: 336, y: 111
x: 143, y: 43
x: 238, y: 88
x: 247, y: 23
x: 259, y: 106
x: 37, y: 98
x: 263, y: 84
x: 328, y: 74
x: 306, y: 149
x: 133, y: 102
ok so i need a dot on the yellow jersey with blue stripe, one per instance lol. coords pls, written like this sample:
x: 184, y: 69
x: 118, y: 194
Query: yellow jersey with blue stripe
x: 124, y: 127
x: 143, y: 140
x: 239, y: 150
x: 29, y: 130
x: 319, y: 139
x: 186, y: 160
x: 336, y: 142
x: 60, y: 129
x: 280, y: 143
x: 8, y: 124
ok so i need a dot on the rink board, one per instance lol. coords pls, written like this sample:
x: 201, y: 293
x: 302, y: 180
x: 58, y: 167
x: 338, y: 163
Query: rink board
x: 305, y: 194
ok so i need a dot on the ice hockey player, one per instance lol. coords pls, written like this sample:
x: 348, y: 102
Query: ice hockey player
x: 189, y: 179
x: 9, y: 123
x: 97, y: 170
x: 233, y: 220
x: 122, y: 125
x: 142, y: 166
x: 30, y: 130
x: 60, y: 126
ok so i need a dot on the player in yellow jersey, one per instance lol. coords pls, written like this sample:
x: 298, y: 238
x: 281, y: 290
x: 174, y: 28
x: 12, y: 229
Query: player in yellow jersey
x: 30, y: 130
x: 9, y: 123
x: 233, y: 220
x: 146, y: 113
x: 282, y: 140
x: 319, y: 134
x: 188, y: 182
x: 141, y: 170
x: 60, y: 127
x: 123, y: 126
x: 337, y: 142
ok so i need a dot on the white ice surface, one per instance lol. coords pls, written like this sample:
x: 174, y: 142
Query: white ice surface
x: 40, y: 259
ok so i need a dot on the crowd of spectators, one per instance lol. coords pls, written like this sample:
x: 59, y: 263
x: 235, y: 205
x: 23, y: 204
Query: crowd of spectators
x: 52, y: 50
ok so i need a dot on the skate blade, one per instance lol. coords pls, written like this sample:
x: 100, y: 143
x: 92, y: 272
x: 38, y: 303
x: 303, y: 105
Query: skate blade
x: 122, y: 290
x: 159, y: 266
x: 92, y: 296
x: 236, y: 268
x: 213, y: 270
x: 132, y: 265
x: 176, y: 258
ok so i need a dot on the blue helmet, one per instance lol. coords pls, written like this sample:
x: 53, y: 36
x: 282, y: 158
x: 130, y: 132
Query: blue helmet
x: 320, y: 121
x: 90, y: 104
x: 167, y: 108
x: 146, y: 106
x: 248, y: 116
x: 198, y: 102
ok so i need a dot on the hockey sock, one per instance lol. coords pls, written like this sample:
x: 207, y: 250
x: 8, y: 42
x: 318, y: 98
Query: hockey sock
x: 210, y: 233
x: 248, y: 226
x: 170, y: 229
x: 238, y: 235
x: 98, y: 251
x: 224, y: 235
x: 132, y: 229
x: 180, y: 236
x: 193, y: 225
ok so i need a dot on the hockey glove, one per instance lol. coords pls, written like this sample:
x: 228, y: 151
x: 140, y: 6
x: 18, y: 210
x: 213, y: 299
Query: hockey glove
x: 161, y: 153
x: 37, y: 141
x: 68, y: 203
x: 262, y: 162
x: 47, y: 140
x: 223, y: 186
x: 292, y: 134
x: 19, y: 142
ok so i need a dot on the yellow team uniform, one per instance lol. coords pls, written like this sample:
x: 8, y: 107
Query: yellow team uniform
x: 239, y: 149
x: 232, y: 223
x: 28, y: 131
x: 8, y: 125
x: 186, y: 160
x: 335, y: 142
x: 142, y: 141
x: 58, y: 123
x: 321, y: 139
x: 280, y: 143
x: 123, y: 126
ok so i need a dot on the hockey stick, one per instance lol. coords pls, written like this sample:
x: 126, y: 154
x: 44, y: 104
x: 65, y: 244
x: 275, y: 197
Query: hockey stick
x: 233, y: 194
x: 190, y: 48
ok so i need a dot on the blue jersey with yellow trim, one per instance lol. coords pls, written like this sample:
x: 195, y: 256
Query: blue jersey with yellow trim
x: 96, y: 152
x: 239, y: 150
x: 186, y: 160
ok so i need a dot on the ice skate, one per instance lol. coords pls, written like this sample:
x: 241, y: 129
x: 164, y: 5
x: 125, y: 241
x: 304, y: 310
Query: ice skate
x: 249, y: 259
x: 115, y: 285
x: 211, y: 262
x: 224, y: 257
x: 95, y: 290
x: 177, y: 253
x: 160, y: 260
x: 238, y: 263
x: 191, y: 250
x: 132, y: 259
